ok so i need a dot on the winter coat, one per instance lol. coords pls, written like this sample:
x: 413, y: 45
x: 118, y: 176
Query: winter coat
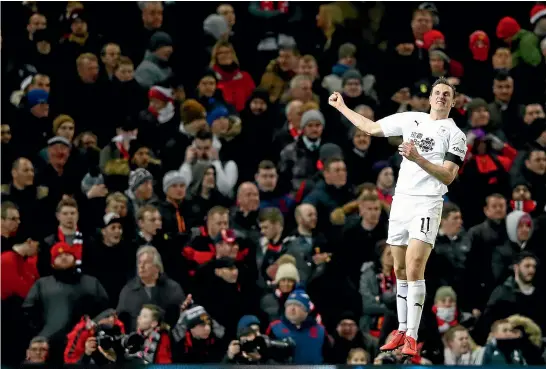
x: 152, y: 71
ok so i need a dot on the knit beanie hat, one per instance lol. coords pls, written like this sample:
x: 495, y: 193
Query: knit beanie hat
x: 537, y: 12
x: 507, y: 28
x: 134, y: 146
x: 300, y: 297
x: 439, y: 52
x: 259, y: 93
x: 431, y: 36
x: 347, y: 50
x: 58, y: 140
x: 58, y: 122
x: 246, y: 321
x: 479, y: 45
x: 218, y: 112
x: 173, y: 177
x: 161, y: 93
x: 197, y: 315
x: 215, y: 25
x: 192, y: 110
x: 330, y: 150
x: 476, y: 104
x: 444, y: 292
x: 351, y: 74
x: 61, y: 248
x: 138, y: 177
x: 36, y: 97
x: 287, y: 271
x: 160, y: 39
x: 312, y: 116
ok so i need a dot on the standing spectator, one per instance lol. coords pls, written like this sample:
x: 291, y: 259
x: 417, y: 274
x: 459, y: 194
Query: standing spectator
x: 55, y: 303
x: 110, y: 57
x: 150, y: 286
x: 279, y: 72
x: 10, y: 219
x: 154, y: 70
x: 140, y: 191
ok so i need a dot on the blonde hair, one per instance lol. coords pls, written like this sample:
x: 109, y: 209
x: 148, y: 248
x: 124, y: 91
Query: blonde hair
x: 86, y: 56
x: 354, y: 351
x: 218, y: 45
x: 156, y: 257
x: 116, y: 197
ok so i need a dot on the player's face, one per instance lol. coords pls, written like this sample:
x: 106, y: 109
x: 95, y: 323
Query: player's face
x: 441, y: 98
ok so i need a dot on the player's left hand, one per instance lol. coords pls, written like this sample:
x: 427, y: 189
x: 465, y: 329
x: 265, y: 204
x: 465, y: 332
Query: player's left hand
x: 409, y: 151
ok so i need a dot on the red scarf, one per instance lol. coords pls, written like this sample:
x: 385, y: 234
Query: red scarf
x: 442, y: 324
x: 124, y: 153
x: 295, y: 133
x: 77, y: 244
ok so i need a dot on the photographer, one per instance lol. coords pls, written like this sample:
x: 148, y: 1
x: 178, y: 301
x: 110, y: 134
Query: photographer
x: 253, y: 348
x: 82, y: 346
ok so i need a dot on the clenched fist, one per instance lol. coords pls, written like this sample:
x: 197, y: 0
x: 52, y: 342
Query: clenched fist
x: 336, y: 101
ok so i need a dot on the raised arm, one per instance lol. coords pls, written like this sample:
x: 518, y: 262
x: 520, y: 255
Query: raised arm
x: 362, y: 123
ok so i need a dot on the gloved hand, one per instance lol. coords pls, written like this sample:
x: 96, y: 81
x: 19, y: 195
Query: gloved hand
x: 496, y: 143
x: 473, y: 134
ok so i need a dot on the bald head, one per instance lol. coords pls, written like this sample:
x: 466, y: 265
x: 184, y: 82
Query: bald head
x: 306, y: 217
x: 248, y: 197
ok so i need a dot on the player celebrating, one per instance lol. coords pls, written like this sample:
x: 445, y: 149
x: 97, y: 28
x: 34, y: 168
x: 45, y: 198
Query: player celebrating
x: 433, y: 149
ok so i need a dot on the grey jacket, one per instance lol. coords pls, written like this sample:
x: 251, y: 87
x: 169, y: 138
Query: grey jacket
x: 150, y: 71
x: 369, y: 289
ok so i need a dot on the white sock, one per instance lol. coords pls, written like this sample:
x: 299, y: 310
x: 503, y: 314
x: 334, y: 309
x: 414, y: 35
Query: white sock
x: 416, y: 299
x: 402, y: 304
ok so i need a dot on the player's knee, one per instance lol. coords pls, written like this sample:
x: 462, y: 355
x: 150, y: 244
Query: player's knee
x: 416, y: 270
x: 400, y: 272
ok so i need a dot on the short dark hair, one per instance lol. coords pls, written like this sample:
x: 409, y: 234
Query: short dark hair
x: 449, y: 208
x: 333, y: 160
x: 495, y: 196
x: 266, y: 164
x: 443, y: 81
x: 38, y: 339
x: 529, y: 153
x: 288, y: 47
x: 272, y: 215
x: 203, y: 135
x: 502, y: 75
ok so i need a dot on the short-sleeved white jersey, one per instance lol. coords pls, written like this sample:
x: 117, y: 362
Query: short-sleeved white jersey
x: 436, y: 141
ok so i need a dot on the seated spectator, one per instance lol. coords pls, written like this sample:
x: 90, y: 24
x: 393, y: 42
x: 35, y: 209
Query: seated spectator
x: 504, y: 345
x: 160, y: 121
x: 151, y: 285
x: 244, y: 215
x: 311, y: 349
x: 235, y: 84
x: 347, y: 338
x: 280, y: 71
x: 37, y: 352
x: 353, y: 90
x: 291, y: 129
x: 460, y: 349
x: 197, y: 338
x: 358, y: 356
x: 140, y: 191
x: 447, y: 312
x: 286, y: 280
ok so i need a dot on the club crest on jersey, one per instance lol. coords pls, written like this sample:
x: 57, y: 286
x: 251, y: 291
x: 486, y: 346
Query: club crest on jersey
x: 443, y: 132
x: 424, y: 144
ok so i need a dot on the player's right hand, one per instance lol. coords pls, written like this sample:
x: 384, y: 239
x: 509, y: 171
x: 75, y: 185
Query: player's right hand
x: 336, y: 100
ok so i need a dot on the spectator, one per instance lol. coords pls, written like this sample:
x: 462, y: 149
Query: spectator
x: 151, y: 285
x: 459, y: 350
x: 279, y: 72
x: 37, y: 352
x: 153, y: 69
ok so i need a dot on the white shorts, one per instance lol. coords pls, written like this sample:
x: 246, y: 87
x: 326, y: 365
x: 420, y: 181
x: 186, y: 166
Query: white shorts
x: 415, y: 217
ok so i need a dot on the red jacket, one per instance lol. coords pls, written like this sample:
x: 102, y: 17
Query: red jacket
x: 18, y: 274
x: 236, y: 86
x: 75, y: 346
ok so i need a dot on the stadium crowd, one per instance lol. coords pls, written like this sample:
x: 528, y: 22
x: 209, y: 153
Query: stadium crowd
x: 161, y: 214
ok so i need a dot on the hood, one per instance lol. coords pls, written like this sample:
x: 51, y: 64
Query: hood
x: 512, y: 221
x: 198, y: 172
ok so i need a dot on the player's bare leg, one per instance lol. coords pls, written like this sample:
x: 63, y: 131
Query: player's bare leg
x: 397, y: 337
x: 417, y: 256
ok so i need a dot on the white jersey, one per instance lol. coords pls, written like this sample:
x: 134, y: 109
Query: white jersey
x: 435, y: 140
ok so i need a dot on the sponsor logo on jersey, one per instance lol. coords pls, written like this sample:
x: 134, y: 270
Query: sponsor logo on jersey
x: 457, y: 149
x: 424, y: 144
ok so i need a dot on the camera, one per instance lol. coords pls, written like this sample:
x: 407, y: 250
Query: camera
x: 277, y: 350
x: 111, y: 338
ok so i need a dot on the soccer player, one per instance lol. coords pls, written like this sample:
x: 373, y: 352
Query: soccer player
x: 433, y: 149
